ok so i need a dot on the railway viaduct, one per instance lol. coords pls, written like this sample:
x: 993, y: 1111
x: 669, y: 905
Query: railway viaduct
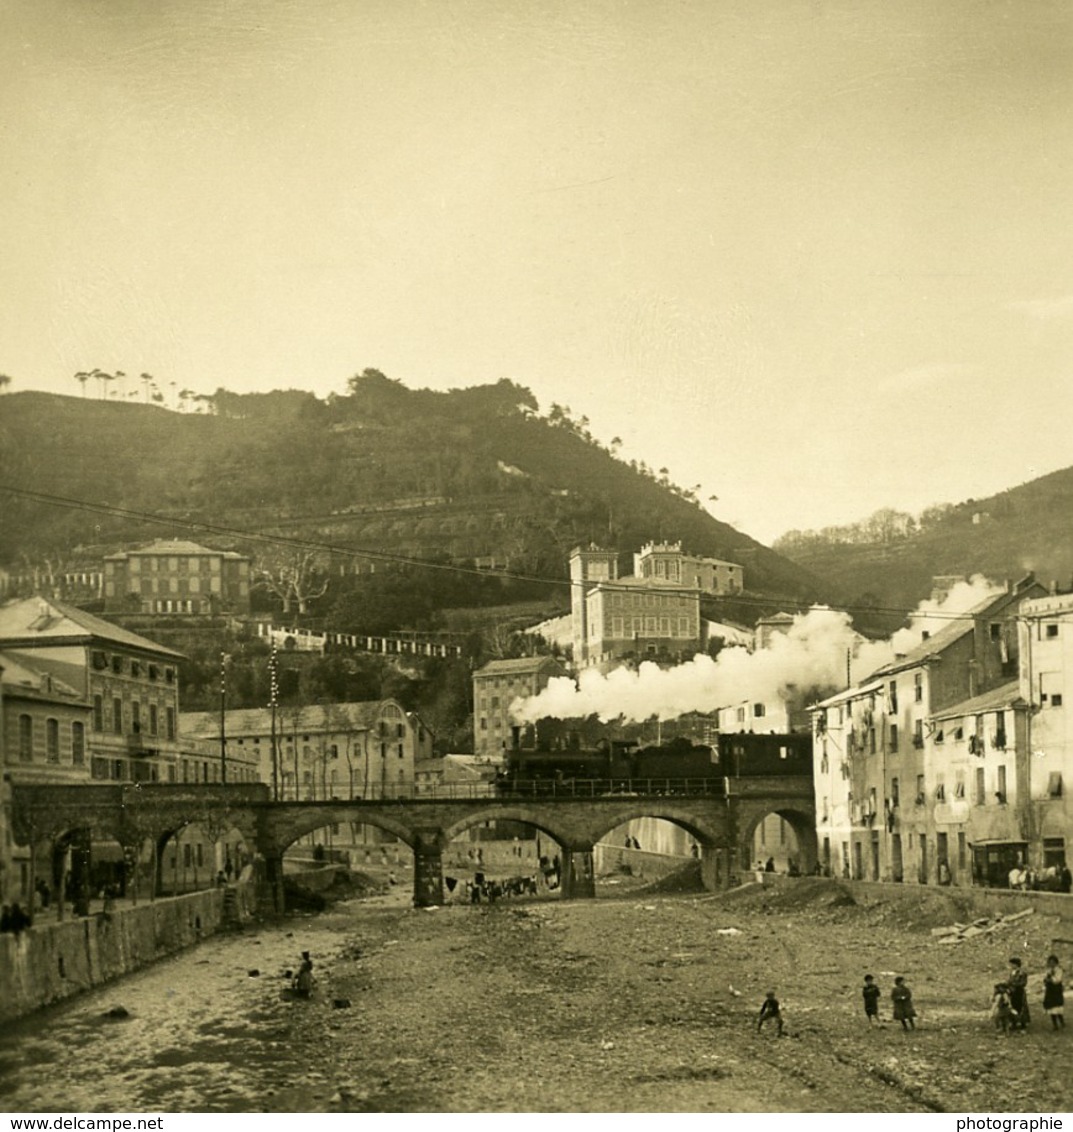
x: 145, y: 817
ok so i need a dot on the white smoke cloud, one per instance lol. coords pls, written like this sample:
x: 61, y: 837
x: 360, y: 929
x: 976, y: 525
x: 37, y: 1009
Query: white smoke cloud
x: 812, y: 654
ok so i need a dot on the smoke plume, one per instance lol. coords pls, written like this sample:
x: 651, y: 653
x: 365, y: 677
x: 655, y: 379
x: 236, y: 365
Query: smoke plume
x: 812, y: 654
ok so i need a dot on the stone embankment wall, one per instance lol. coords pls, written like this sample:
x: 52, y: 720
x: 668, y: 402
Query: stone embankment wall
x: 53, y: 961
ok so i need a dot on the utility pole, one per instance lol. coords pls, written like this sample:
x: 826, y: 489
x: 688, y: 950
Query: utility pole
x: 273, y: 703
x: 224, y: 658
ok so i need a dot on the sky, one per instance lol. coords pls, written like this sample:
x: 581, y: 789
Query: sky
x: 816, y: 258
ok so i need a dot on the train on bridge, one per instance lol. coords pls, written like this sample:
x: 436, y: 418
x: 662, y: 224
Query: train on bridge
x: 680, y: 766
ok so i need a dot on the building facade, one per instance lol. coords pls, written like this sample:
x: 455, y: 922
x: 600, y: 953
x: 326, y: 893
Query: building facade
x: 130, y: 684
x: 346, y: 750
x: 44, y: 731
x: 177, y: 577
x: 923, y: 761
x: 495, y: 687
x: 665, y: 562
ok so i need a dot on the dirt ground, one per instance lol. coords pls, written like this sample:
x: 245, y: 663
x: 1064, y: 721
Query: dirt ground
x: 646, y: 1001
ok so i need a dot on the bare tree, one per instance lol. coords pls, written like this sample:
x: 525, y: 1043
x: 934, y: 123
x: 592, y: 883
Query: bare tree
x: 296, y: 577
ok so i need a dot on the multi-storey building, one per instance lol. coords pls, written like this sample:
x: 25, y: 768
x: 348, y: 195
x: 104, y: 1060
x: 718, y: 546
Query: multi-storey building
x: 322, y: 751
x: 665, y: 562
x: 495, y: 687
x: 1045, y: 628
x: 44, y: 724
x: 175, y: 576
x: 588, y: 566
x: 889, y: 751
x: 640, y: 619
x: 130, y: 684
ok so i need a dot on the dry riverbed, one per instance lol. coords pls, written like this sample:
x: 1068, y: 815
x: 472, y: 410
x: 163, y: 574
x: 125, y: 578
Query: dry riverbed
x: 644, y: 1001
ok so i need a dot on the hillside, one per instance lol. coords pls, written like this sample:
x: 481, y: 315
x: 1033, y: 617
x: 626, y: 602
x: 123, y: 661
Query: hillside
x: 470, y: 476
x: 1026, y: 528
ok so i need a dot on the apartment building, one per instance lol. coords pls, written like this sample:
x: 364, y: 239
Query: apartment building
x: 898, y: 796
x: 130, y: 684
x: 495, y: 687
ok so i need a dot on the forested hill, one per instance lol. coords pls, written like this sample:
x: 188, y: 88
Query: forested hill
x: 891, y: 559
x: 471, y: 474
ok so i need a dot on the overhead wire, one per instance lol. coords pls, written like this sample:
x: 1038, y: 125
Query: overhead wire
x: 365, y: 554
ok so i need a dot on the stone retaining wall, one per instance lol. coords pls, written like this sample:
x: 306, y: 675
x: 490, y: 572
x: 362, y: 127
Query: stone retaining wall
x: 50, y: 962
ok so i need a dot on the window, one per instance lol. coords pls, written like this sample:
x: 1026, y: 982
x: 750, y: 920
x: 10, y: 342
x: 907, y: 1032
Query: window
x: 117, y: 716
x: 1054, y: 784
x: 893, y: 738
x: 117, y: 665
x: 1052, y: 630
x: 918, y: 687
x: 959, y: 785
x: 26, y: 738
x: 893, y: 696
x: 98, y: 713
x: 1054, y: 852
x: 759, y: 711
x: 135, y: 717
x: 400, y: 751
x: 52, y: 740
x: 1001, y: 782
x: 918, y: 733
x: 962, y: 847
x: 940, y: 792
x: 981, y: 788
x: 170, y: 722
x: 893, y: 791
x: 920, y: 790
x: 154, y: 719
x: 78, y: 744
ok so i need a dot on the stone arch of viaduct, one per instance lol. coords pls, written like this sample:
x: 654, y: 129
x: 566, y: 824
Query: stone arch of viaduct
x: 722, y: 825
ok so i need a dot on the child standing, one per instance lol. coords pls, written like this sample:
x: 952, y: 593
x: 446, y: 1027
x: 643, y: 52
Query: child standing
x: 902, y: 997
x: 870, y: 994
x: 1053, y: 995
x: 1000, y: 1008
x: 769, y: 1010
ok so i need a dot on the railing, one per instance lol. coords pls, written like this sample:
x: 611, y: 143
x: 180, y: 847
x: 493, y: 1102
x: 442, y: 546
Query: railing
x: 506, y: 790
x: 617, y: 787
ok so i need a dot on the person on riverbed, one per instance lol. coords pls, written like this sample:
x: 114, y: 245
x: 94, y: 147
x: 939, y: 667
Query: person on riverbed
x: 1053, y: 995
x: 1017, y: 984
x: 902, y: 998
x: 1000, y: 1008
x: 870, y: 994
x: 770, y: 1011
x: 303, y: 981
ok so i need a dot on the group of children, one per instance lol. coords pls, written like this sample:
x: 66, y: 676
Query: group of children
x: 1009, y: 999
x: 1009, y: 1002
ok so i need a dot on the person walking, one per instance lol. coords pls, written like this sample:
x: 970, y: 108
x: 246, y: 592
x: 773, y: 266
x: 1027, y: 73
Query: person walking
x: 1053, y: 993
x: 902, y: 998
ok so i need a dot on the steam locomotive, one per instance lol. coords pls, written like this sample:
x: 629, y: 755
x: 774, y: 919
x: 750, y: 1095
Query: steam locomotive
x: 617, y: 766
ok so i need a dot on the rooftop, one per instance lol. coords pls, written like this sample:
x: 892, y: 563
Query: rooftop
x: 36, y: 621
x: 1007, y: 695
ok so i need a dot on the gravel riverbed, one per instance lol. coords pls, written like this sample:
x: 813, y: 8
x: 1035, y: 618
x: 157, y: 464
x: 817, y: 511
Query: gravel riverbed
x: 644, y: 1001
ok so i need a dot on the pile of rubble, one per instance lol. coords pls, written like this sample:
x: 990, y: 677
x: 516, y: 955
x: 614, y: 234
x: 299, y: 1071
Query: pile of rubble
x: 955, y: 933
